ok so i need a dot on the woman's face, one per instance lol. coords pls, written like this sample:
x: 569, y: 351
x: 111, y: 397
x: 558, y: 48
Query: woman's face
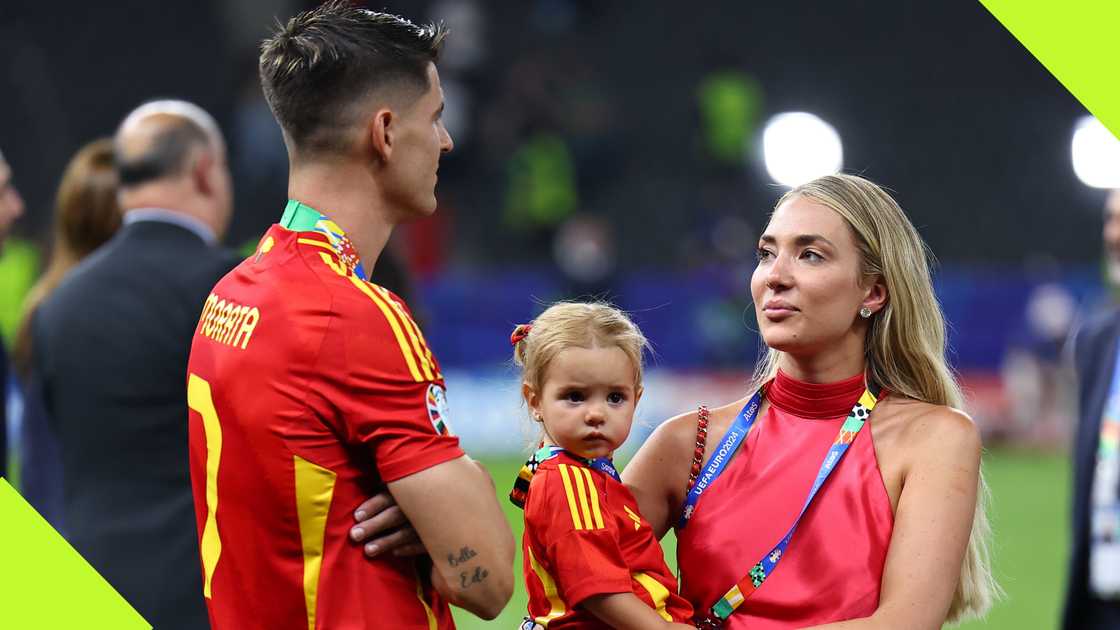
x: 806, y: 288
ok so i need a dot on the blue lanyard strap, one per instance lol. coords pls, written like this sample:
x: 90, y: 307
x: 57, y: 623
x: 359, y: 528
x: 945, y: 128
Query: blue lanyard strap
x: 734, y: 438
x: 855, y: 422
x: 520, y: 492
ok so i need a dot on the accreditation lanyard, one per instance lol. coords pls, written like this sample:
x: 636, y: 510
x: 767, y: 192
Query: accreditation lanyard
x: 520, y: 491
x: 303, y: 218
x: 734, y: 438
x: 857, y: 417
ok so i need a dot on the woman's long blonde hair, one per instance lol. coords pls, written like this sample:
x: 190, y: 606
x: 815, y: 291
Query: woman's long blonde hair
x: 905, y: 345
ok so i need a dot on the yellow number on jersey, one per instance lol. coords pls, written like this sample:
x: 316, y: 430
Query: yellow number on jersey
x: 200, y: 400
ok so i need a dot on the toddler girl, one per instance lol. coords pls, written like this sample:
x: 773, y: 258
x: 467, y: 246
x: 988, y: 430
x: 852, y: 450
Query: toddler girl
x: 590, y: 560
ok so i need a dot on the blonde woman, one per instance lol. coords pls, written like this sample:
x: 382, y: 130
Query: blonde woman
x: 855, y: 500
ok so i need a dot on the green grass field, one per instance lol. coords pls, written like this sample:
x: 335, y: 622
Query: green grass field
x: 1029, y: 514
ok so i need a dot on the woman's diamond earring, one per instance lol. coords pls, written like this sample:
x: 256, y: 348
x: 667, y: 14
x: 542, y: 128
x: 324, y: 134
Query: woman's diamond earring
x: 865, y: 312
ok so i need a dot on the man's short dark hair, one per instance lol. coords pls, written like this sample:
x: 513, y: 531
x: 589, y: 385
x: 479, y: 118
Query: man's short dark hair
x: 167, y: 153
x: 324, y: 60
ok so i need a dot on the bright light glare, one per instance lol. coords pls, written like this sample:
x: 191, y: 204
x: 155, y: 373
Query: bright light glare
x: 1096, y: 154
x: 799, y: 147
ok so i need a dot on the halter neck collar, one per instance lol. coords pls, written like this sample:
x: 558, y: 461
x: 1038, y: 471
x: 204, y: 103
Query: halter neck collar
x: 814, y: 400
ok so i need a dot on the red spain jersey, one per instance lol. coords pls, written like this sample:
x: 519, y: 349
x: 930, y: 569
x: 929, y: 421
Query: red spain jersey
x: 584, y: 537
x: 308, y: 389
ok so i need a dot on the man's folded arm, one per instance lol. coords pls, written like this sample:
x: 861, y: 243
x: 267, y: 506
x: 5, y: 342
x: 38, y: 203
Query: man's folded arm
x: 455, y: 512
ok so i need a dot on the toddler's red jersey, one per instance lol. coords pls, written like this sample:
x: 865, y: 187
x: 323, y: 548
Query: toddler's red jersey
x: 584, y: 537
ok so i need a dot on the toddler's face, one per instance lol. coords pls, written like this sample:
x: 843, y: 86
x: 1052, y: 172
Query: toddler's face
x: 587, y: 400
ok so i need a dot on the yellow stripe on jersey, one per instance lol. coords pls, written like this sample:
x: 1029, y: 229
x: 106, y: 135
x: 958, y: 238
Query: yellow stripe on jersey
x: 335, y: 266
x: 413, y: 356
x: 634, y: 517
x: 658, y: 594
x: 200, y: 399
x: 316, y: 243
x: 423, y: 342
x: 594, y: 492
x: 571, y: 497
x: 364, y: 287
x: 410, y: 328
x: 314, y: 489
x: 432, y: 624
x: 555, y: 604
x: 418, y: 342
x: 582, y: 494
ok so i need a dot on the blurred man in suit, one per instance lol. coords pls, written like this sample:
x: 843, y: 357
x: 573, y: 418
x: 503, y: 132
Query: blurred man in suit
x: 110, y: 348
x: 11, y: 207
x: 1093, y: 592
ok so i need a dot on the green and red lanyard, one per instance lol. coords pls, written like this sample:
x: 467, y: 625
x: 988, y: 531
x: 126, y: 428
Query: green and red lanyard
x: 717, y: 463
x: 520, y: 492
x: 299, y: 217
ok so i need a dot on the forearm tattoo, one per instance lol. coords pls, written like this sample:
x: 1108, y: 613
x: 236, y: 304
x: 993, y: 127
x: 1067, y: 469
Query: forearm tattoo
x: 469, y: 577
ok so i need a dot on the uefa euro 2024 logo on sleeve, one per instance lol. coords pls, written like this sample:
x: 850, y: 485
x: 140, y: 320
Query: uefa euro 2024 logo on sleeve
x: 437, y: 408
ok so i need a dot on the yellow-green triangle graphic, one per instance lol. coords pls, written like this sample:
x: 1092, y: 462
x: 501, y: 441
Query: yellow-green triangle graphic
x: 45, y: 584
x: 1078, y: 41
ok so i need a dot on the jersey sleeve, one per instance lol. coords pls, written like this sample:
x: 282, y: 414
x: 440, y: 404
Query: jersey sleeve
x: 567, y: 515
x: 390, y: 393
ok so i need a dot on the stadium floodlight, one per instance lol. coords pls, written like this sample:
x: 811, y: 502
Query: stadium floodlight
x: 799, y: 146
x: 1096, y: 154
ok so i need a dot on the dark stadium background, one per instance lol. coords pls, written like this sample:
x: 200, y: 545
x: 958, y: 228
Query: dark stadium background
x: 934, y: 100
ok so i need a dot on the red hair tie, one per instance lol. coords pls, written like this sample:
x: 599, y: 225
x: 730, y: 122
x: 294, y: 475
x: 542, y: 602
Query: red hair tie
x: 520, y: 333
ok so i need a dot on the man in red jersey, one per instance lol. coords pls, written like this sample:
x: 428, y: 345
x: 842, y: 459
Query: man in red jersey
x: 310, y: 388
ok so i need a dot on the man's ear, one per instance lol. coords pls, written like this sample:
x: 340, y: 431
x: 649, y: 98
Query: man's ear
x: 877, y: 295
x: 532, y: 399
x: 201, y: 172
x: 382, y: 128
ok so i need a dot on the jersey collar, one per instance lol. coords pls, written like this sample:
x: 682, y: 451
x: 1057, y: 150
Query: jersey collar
x: 300, y: 217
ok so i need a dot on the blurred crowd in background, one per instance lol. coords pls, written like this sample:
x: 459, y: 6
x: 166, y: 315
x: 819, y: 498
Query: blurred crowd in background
x: 606, y: 149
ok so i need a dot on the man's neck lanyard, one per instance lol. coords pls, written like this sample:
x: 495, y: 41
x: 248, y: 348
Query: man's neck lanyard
x: 302, y: 218
x: 520, y: 492
x: 735, y: 437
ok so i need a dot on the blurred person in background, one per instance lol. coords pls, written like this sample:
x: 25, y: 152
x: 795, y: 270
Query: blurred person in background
x: 109, y: 351
x: 11, y: 208
x: 314, y: 387
x: 1093, y: 588
x: 86, y: 216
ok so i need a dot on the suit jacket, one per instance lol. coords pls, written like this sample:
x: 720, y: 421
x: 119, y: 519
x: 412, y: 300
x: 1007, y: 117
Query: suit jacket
x: 110, y: 356
x: 1094, y: 353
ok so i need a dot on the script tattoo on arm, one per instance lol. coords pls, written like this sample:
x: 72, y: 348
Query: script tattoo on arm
x: 466, y: 553
x: 467, y: 578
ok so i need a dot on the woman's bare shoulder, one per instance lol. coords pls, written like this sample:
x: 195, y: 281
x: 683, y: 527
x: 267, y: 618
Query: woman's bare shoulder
x: 680, y: 431
x: 923, y: 426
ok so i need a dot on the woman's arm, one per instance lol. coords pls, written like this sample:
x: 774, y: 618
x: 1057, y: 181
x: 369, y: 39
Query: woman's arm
x: 931, y: 524
x: 624, y: 611
x: 658, y: 474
